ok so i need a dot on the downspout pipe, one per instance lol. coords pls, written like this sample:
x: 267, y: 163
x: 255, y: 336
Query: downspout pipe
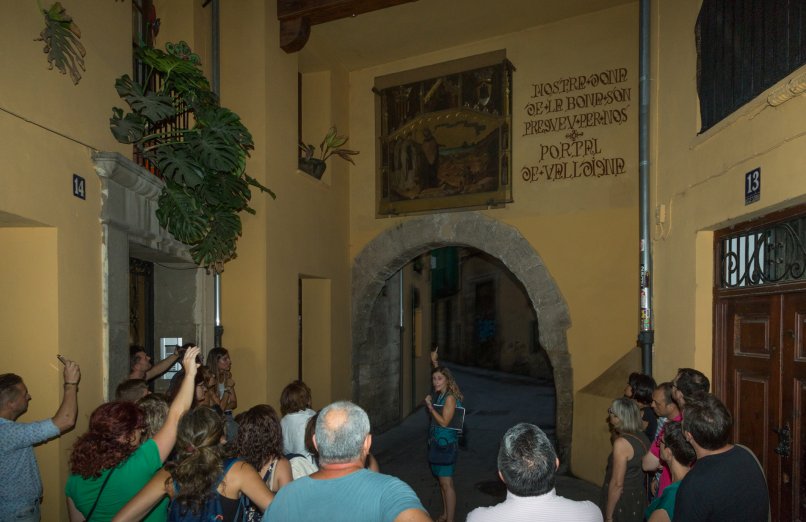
x: 218, y: 331
x: 646, y: 335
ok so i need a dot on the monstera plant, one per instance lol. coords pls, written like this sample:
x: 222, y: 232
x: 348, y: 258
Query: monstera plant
x: 202, y: 162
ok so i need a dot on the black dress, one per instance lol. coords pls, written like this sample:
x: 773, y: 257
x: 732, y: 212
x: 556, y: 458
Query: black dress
x: 630, y: 506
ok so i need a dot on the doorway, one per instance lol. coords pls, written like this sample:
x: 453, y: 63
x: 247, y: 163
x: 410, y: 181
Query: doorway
x: 760, y: 348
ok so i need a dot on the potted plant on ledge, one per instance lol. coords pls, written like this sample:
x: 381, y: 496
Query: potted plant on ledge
x: 329, y: 147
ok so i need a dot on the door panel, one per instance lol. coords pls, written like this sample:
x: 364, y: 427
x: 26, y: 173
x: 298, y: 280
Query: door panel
x: 793, y: 401
x: 750, y: 330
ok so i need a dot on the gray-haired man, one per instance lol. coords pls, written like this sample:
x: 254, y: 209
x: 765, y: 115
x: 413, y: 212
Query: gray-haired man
x: 527, y: 463
x: 342, y: 490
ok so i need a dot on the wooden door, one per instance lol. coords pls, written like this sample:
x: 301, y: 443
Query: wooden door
x: 793, y: 406
x: 761, y: 369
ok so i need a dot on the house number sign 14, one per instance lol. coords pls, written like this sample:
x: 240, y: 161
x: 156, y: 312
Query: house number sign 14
x: 79, y: 187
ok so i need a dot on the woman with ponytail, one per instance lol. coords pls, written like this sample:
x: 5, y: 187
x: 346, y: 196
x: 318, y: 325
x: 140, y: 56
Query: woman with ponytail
x: 201, y: 484
x: 115, y: 457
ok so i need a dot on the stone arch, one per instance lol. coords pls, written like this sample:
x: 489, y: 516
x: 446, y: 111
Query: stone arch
x: 385, y: 255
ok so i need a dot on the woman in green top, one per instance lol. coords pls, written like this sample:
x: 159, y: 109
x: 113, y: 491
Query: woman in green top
x: 112, y: 460
x: 449, y: 397
x: 679, y: 456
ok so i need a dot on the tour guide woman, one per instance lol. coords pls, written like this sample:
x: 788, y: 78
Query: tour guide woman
x: 449, y: 397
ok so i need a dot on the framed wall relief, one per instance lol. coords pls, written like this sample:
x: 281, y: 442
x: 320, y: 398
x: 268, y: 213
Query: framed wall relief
x: 444, y: 136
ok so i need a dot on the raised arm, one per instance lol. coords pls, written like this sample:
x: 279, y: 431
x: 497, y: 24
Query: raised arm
x: 166, y: 436
x: 162, y: 366
x: 146, y: 499
x: 65, y: 417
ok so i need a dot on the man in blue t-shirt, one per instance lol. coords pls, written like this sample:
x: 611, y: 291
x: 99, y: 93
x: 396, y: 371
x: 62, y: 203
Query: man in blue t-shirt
x: 21, y: 493
x: 342, y: 490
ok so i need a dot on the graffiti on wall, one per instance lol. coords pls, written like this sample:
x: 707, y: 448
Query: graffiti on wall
x: 566, y: 116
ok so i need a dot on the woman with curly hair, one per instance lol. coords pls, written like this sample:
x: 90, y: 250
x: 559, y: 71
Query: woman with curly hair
x: 201, y: 484
x: 113, y: 460
x: 260, y: 443
x: 441, y: 412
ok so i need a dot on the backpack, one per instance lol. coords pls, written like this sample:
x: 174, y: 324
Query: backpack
x: 211, y: 509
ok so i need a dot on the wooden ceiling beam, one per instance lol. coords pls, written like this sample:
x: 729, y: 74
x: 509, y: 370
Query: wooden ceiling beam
x: 297, y: 16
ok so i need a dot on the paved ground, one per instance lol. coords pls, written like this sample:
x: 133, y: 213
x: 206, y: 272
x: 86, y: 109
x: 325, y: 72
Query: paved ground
x: 495, y: 402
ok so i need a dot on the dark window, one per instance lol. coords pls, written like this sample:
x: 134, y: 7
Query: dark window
x: 743, y: 48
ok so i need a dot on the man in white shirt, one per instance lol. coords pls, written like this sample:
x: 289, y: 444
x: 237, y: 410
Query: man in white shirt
x: 527, y: 463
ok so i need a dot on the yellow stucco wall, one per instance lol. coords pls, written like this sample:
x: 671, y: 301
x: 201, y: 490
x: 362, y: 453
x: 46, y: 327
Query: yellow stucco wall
x: 303, y: 233
x: 699, y: 179
x: 53, y: 271
x: 585, y: 230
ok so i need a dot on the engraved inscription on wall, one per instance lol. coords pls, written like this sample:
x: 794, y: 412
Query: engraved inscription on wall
x: 567, y: 117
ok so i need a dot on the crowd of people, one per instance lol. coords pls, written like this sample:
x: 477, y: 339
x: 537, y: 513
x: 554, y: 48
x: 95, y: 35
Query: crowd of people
x: 185, y: 457
x: 687, y: 470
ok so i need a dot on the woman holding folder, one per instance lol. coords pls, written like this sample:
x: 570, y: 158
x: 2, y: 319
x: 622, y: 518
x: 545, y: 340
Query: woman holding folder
x: 442, y: 440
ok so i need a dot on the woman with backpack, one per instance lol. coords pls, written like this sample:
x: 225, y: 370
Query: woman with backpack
x: 201, y: 483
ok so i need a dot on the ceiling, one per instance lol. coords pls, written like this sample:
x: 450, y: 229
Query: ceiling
x: 425, y: 26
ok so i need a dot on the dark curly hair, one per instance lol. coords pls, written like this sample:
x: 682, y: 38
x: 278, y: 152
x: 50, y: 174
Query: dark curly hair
x: 109, y: 439
x: 260, y: 437
x: 198, y: 463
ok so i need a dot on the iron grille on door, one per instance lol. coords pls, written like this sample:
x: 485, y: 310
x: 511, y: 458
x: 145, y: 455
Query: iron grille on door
x: 765, y: 255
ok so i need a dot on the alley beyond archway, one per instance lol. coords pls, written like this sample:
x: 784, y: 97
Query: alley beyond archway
x: 495, y: 402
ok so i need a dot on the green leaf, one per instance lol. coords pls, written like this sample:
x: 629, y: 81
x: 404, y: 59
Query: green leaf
x: 180, y: 214
x: 177, y: 163
x: 218, y: 246
x: 155, y: 107
x: 62, y: 45
x: 181, y: 76
x: 222, y: 141
x: 129, y: 129
x: 227, y: 191
x: 255, y: 183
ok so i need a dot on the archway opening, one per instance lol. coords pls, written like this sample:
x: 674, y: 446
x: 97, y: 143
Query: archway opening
x: 376, y: 275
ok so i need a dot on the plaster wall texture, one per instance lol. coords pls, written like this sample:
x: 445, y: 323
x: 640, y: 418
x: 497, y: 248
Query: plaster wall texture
x: 699, y: 179
x: 61, y: 265
x: 304, y: 233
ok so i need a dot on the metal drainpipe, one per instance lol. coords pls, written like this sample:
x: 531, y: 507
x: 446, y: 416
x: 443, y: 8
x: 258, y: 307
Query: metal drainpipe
x: 646, y: 335
x: 215, y: 84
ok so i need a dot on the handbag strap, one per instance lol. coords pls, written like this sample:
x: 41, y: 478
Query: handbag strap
x: 95, y: 504
x: 636, y: 438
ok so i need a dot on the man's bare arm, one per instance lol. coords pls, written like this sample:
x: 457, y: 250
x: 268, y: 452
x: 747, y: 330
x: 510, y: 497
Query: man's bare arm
x: 65, y: 417
x: 162, y: 366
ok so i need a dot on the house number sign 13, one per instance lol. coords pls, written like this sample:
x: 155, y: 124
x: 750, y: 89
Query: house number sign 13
x: 79, y: 187
x: 752, y: 186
